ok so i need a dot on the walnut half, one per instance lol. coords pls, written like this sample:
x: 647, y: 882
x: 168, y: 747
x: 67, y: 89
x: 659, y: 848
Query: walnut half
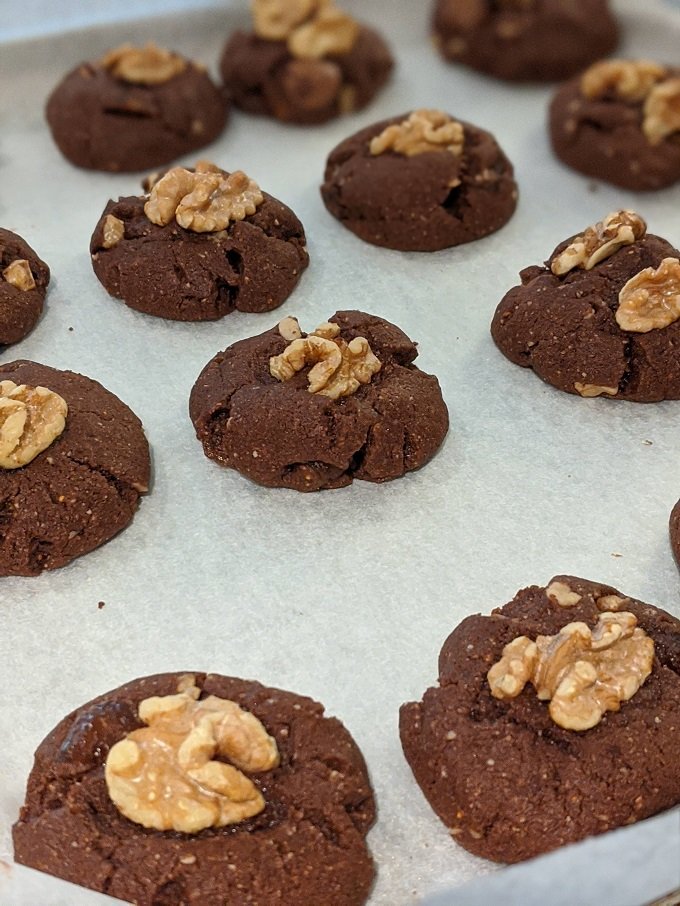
x: 164, y: 776
x: 148, y: 65
x: 662, y: 111
x: 651, y: 299
x: 424, y: 130
x: 19, y: 274
x: 31, y: 418
x: 631, y: 80
x: 582, y: 672
x: 600, y: 241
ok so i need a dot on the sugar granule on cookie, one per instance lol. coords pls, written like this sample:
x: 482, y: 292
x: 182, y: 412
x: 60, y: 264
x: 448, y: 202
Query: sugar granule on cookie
x: 602, y: 316
x: 201, y: 789
x: 556, y: 717
x: 202, y: 243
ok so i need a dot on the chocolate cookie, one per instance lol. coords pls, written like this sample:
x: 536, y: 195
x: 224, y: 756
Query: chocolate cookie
x: 674, y: 527
x: 500, y: 767
x: 525, y: 40
x: 134, y: 109
x: 306, y: 844
x: 619, y: 122
x: 601, y: 317
x: 362, y: 411
x: 23, y: 284
x: 175, y: 255
x: 304, y: 63
x: 420, y: 182
x: 73, y: 464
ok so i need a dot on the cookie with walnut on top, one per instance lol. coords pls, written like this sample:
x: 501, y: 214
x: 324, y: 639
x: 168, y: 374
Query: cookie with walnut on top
x: 305, y: 62
x: 620, y: 121
x: 201, y: 243
x: 23, y: 286
x: 602, y: 316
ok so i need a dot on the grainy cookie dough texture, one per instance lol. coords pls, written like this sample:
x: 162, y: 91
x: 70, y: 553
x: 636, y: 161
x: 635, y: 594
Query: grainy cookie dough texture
x: 23, y: 285
x: 565, y: 328
x: 306, y: 848
x: 81, y: 490
x: 425, y: 202
x: 279, y: 434
x: 524, y: 40
x: 509, y: 782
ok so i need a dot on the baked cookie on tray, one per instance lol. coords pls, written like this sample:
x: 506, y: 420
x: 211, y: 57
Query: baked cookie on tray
x: 620, y: 121
x: 525, y: 40
x: 305, y: 62
x: 23, y: 285
x: 556, y: 717
x: 314, y: 411
x: 200, y: 244
x: 201, y: 789
x: 602, y: 316
x: 134, y: 109
x: 420, y: 182
x: 74, y: 462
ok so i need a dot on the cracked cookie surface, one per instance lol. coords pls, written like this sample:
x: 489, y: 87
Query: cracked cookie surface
x: 175, y: 273
x: 20, y: 308
x: 280, y: 435
x: 307, y: 847
x: 423, y: 203
x: 565, y: 329
x: 83, y: 489
x: 506, y: 780
x: 100, y: 122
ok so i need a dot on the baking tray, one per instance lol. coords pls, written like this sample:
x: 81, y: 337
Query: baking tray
x: 345, y: 596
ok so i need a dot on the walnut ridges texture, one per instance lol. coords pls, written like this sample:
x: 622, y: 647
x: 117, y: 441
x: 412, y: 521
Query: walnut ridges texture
x: 600, y: 241
x: 313, y: 29
x: 148, y: 65
x: 651, y: 299
x: 423, y: 130
x: 30, y: 419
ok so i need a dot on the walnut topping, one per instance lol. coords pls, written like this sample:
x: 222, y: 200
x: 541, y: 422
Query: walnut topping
x: 204, y: 200
x: 163, y: 776
x: 582, y: 672
x: 631, y: 80
x: 18, y: 273
x: 289, y: 328
x: 148, y: 65
x: 592, y: 390
x: 274, y: 20
x: 562, y: 594
x: 662, y: 111
x: 339, y: 368
x: 424, y: 130
x: 113, y: 230
x: 30, y: 419
x: 610, y: 602
x: 599, y: 242
x: 312, y: 28
x: 651, y: 299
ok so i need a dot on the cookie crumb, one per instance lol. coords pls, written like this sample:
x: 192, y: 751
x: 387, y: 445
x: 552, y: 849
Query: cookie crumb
x: 647, y: 443
x: 617, y: 555
x: 101, y: 605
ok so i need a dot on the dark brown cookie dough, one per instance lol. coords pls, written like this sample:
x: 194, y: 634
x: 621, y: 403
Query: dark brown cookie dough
x: 165, y: 270
x: 279, y: 434
x: 506, y: 780
x: 564, y: 327
x: 83, y: 489
x: 409, y: 203
x: 525, y: 40
x: 674, y: 527
x: 22, y: 287
x: 263, y: 77
x: 307, y: 847
x: 102, y: 121
x: 603, y: 136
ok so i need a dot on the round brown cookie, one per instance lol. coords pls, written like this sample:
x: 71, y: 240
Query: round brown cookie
x: 263, y: 77
x: 564, y: 327
x: 424, y: 202
x: 23, y: 285
x: 252, y: 265
x: 508, y: 781
x: 674, y: 527
x: 83, y: 488
x: 135, y: 112
x: 524, y: 40
x: 307, y: 847
x: 604, y: 131
x: 279, y: 434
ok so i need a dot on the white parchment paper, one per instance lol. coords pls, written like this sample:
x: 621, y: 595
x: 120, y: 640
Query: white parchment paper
x: 348, y: 595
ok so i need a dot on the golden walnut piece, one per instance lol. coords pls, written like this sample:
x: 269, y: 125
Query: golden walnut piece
x: 338, y: 368
x: 651, y: 299
x: 662, y: 111
x: 164, y: 776
x: 313, y: 29
x: 424, y: 130
x: 203, y: 200
x: 583, y: 672
x: 600, y: 241
x: 19, y: 274
x: 148, y: 65
x: 31, y: 418
x: 631, y: 80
